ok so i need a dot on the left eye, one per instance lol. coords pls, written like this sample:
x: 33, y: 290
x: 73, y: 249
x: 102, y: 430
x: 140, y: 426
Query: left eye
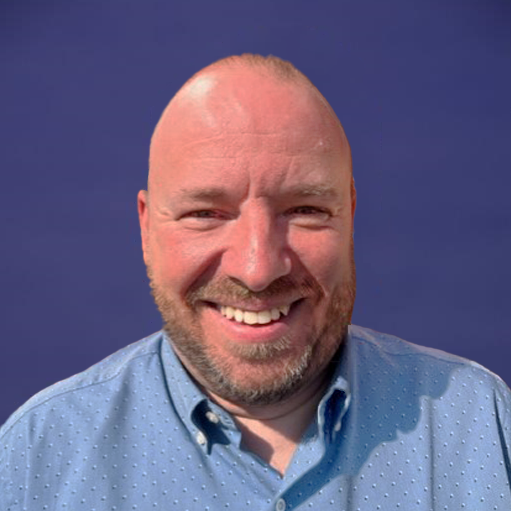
x: 309, y: 216
x: 307, y: 210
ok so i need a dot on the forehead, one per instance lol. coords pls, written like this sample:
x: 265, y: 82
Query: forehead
x: 221, y: 127
x: 246, y: 165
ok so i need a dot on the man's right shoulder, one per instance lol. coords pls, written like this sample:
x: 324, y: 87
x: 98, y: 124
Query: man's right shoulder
x: 112, y: 371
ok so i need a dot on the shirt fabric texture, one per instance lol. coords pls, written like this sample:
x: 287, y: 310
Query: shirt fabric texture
x: 401, y: 427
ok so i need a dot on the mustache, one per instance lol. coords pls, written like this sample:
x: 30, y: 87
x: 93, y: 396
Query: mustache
x: 232, y: 289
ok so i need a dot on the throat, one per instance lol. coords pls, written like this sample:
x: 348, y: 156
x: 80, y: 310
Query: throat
x: 274, y: 438
x: 274, y: 431
x: 270, y: 445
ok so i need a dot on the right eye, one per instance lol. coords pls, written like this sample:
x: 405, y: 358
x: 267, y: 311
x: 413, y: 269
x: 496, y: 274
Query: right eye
x: 203, y: 213
x: 202, y: 219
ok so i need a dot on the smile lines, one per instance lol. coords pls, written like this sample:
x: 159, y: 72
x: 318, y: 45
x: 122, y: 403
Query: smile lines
x: 253, y: 317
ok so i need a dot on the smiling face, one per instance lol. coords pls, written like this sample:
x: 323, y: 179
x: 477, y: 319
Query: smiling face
x: 247, y: 233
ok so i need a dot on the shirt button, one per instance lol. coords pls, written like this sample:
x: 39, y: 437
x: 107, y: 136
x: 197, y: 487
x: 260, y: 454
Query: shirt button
x: 281, y: 505
x: 213, y: 417
x: 200, y: 437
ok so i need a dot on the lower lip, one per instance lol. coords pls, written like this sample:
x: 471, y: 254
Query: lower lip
x: 241, y: 332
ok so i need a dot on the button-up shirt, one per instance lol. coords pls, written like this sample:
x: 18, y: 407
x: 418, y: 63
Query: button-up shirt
x: 399, y: 427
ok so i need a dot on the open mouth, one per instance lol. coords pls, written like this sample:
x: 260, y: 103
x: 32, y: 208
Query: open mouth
x: 253, y: 317
x: 261, y: 317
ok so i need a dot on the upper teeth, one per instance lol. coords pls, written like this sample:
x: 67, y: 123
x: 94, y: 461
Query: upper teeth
x: 252, y: 317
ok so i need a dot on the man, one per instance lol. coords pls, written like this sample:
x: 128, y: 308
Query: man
x: 258, y: 393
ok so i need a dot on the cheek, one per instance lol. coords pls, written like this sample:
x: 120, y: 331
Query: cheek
x: 325, y: 256
x: 180, y: 259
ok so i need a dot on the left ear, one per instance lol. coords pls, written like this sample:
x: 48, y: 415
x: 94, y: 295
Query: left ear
x: 353, y: 202
x: 143, y: 218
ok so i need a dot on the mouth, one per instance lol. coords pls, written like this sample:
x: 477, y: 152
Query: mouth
x: 257, y: 323
x: 248, y: 317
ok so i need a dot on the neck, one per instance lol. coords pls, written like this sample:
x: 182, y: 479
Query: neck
x: 273, y: 431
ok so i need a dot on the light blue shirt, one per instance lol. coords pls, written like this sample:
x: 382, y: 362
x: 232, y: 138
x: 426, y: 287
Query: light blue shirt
x: 401, y: 427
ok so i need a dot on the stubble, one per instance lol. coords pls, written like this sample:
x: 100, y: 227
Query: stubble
x: 276, y: 370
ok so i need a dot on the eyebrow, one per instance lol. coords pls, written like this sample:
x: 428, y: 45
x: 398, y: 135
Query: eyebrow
x: 204, y: 194
x: 312, y: 190
x: 301, y: 190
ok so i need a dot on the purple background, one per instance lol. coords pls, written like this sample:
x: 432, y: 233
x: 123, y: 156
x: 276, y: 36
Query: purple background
x: 422, y: 88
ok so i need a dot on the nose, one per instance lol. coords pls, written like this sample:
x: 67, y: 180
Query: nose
x: 257, y: 252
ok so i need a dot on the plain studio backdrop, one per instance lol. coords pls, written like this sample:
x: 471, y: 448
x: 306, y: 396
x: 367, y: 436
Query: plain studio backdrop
x: 421, y: 86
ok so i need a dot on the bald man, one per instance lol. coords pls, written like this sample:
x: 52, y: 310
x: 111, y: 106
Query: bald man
x: 258, y: 393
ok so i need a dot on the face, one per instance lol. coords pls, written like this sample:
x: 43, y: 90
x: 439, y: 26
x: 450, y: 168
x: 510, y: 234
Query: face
x: 247, y: 236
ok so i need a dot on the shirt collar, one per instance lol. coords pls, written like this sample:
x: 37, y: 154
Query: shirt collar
x: 191, y: 403
x: 185, y: 395
x: 335, y: 403
x: 206, y: 422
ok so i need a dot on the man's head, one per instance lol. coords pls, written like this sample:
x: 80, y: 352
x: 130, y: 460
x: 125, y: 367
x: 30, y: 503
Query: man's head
x: 247, y: 229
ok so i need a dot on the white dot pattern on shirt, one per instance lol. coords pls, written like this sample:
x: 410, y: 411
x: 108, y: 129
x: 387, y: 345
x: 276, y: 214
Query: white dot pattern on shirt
x: 429, y: 442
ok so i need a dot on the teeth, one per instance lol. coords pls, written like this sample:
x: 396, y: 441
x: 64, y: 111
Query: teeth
x: 252, y: 317
x: 263, y: 317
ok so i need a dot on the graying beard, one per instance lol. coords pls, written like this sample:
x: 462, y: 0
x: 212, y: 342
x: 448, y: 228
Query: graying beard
x: 293, y: 374
x: 260, y: 352
x: 277, y: 391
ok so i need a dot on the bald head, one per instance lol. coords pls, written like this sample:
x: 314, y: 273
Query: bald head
x: 251, y: 208
x: 244, y: 93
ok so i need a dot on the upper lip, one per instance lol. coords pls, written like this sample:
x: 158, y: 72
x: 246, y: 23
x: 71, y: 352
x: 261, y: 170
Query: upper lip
x: 253, y: 306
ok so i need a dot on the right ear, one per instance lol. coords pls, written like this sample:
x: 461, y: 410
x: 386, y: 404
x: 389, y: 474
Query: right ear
x: 143, y: 218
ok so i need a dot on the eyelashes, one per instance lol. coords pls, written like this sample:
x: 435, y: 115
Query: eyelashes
x: 306, y: 216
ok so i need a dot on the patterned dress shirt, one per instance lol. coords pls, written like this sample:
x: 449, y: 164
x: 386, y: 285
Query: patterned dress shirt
x: 401, y: 427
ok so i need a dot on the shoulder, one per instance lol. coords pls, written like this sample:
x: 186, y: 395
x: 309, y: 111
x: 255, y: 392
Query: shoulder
x: 419, y: 368
x: 113, y: 371
x: 392, y: 347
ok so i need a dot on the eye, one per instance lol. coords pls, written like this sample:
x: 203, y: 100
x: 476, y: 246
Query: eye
x: 204, y: 213
x: 309, y: 216
x: 311, y: 211
x: 307, y: 210
x: 202, y: 219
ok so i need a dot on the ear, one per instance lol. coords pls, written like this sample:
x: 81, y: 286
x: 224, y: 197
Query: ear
x: 353, y: 203
x: 143, y: 218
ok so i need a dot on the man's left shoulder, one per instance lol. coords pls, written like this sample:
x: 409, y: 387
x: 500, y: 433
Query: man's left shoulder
x: 424, y: 366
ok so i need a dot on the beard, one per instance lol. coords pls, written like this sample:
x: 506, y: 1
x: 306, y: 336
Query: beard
x: 275, y: 370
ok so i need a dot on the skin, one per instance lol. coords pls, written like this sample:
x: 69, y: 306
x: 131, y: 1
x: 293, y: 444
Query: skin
x: 251, y: 205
